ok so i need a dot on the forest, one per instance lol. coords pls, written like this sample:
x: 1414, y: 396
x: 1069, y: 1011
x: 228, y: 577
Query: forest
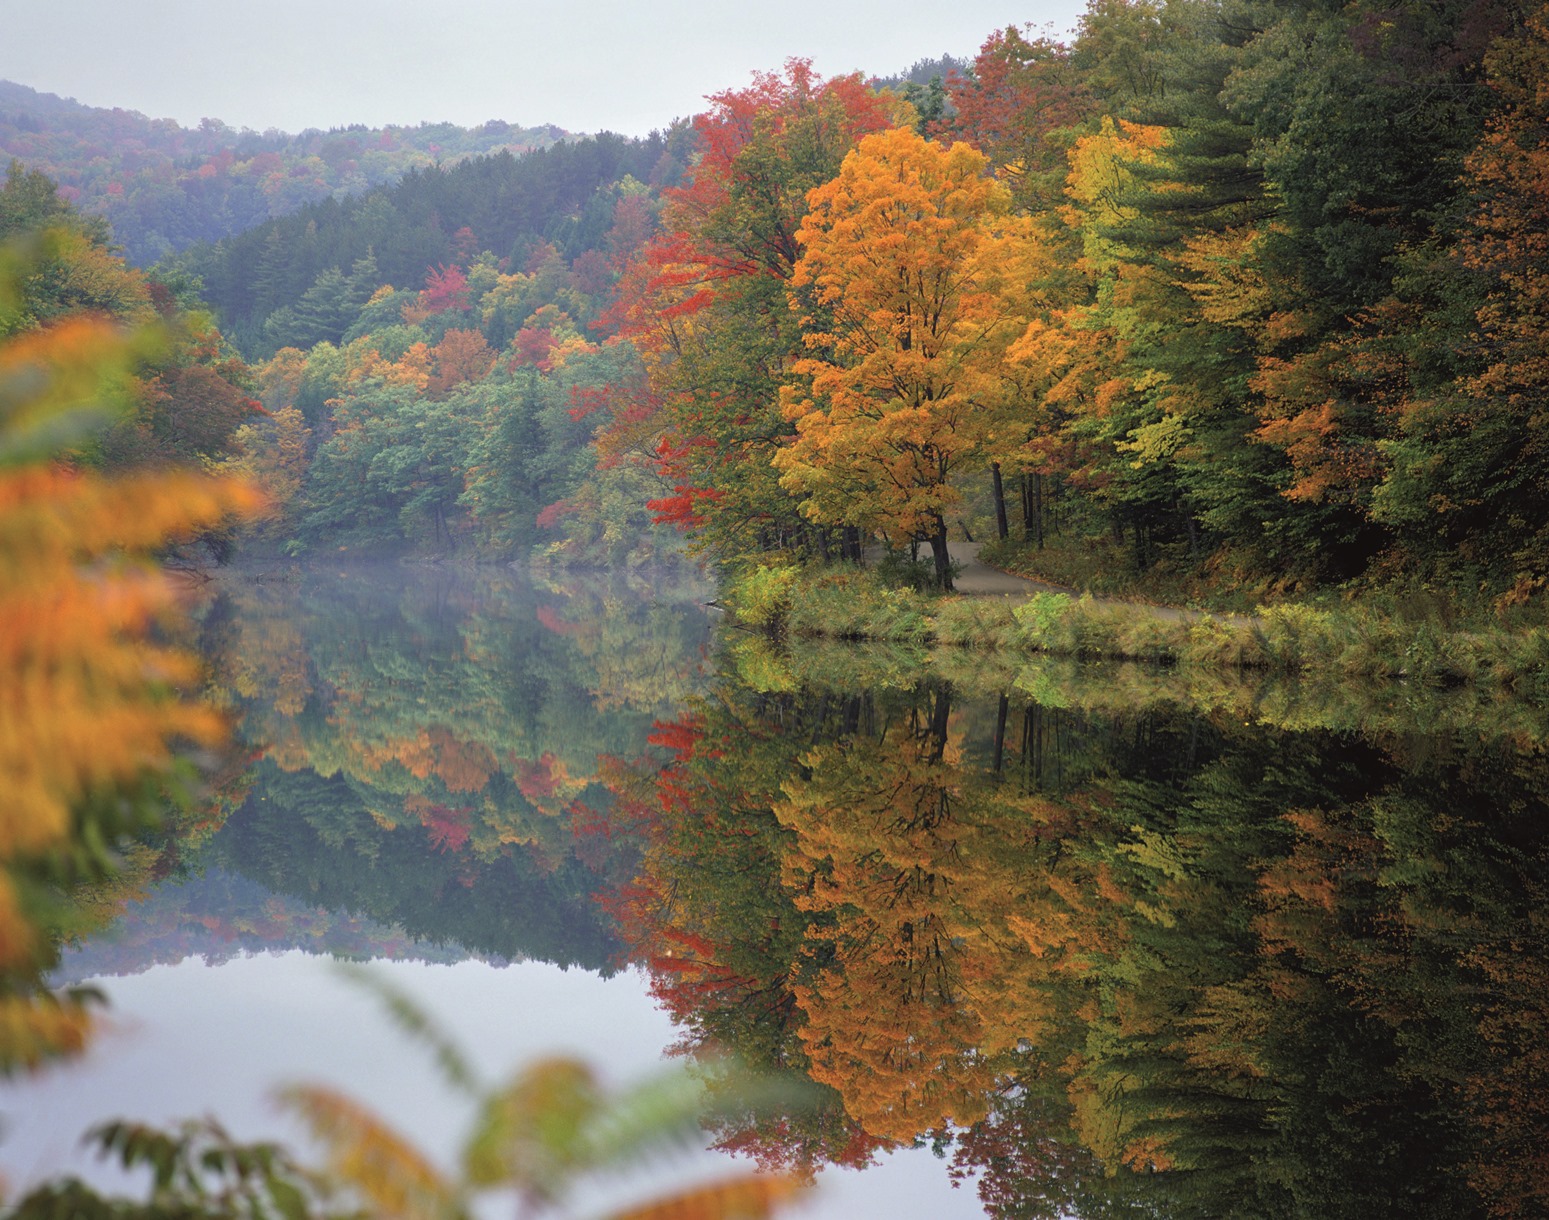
x: 1210, y: 300
x: 1237, y: 296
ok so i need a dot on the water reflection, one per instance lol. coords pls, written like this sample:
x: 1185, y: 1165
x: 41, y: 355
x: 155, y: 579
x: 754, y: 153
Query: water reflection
x: 427, y: 747
x: 1114, y: 945
x: 1150, y: 962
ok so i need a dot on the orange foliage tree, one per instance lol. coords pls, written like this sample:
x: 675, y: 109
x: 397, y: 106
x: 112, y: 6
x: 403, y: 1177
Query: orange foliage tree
x: 913, y: 277
x: 92, y: 722
x: 704, y: 302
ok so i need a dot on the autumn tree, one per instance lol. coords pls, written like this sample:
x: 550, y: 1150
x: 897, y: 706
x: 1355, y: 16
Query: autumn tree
x: 1019, y: 107
x: 705, y: 300
x: 272, y: 455
x: 93, y: 717
x: 462, y: 355
x: 912, y: 282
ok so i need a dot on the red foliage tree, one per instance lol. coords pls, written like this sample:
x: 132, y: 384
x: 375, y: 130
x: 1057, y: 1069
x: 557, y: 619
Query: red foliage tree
x: 445, y: 288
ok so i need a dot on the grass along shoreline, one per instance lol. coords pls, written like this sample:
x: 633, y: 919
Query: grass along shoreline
x: 1357, y: 642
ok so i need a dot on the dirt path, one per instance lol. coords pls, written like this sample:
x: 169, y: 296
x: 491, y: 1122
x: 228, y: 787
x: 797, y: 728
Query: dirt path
x: 977, y: 579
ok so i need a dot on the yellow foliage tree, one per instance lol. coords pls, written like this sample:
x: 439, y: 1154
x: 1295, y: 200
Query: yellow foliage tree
x: 914, y: 279
x: 272, y: 455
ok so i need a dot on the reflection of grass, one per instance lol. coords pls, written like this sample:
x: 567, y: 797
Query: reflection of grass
x: 1286, y: 701
x: 1342, y: 642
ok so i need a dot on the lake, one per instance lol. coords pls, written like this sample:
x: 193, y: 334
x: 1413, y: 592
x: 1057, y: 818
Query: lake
x: 1091, y: 941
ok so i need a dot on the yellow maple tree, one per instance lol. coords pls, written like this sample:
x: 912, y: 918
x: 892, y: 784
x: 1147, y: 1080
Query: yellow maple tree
x: 913, y: 281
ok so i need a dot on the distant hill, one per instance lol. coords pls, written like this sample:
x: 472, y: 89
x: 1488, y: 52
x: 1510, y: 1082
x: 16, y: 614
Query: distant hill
x: 549, y: 208
x: 164, y: 187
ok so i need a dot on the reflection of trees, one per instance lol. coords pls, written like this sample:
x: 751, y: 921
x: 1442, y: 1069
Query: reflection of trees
x: 706, y: 913
x: 431, y: 744
x: 823, y: 886
x: 314, y: 839
x: 914, y: 878
x: 1161, y: 963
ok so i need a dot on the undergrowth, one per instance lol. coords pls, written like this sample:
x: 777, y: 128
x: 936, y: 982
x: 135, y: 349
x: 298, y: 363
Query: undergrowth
x: 1356, y: 640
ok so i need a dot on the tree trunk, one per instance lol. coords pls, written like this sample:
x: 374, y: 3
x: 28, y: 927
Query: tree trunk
x: 1000, y: 501
x: 938, y: 550
x: 940, y: 718
x: 1038, y: 508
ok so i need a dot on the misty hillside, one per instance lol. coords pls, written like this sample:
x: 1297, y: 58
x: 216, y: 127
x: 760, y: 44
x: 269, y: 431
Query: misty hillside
x: 164, y: 187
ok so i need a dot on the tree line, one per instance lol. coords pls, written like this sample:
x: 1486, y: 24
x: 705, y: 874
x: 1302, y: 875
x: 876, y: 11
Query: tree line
x: 1253, y: 286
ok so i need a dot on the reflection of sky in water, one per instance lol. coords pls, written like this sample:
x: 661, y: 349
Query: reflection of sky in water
x: 190, y: 1040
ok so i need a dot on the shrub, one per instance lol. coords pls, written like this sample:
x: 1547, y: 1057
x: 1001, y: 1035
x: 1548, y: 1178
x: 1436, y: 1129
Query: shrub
x: 761, y: 597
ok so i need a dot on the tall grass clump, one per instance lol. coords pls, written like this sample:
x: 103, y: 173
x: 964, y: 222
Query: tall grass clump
x: 762, y: 598
x: 1043, y: 623
x: 1293, y: 638
x: 852, y: 606
x: 976, y: 622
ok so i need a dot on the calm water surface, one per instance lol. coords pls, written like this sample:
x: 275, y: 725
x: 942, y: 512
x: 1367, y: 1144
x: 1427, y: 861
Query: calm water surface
x: 1094, y: 942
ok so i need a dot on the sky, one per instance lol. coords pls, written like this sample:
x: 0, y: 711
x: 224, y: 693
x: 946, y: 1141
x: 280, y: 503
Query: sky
x: 628, y: 66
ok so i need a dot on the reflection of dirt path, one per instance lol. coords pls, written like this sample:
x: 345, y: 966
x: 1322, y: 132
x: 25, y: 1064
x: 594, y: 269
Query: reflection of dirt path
x: 976, y: 579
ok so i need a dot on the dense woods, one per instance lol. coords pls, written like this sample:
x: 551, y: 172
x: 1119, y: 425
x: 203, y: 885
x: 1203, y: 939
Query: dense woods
x: 1239, y: 293
x: 1214, y: 297
x: 1265, y: 289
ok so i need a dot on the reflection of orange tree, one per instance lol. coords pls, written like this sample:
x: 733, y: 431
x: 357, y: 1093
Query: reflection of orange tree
x: 706, y: 913
x: 935, y: 942
x: 866, y: 910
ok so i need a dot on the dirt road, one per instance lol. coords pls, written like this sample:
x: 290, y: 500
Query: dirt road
x: 977, y: 579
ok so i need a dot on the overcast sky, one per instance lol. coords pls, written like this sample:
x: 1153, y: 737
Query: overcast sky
x: 586, y: 65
